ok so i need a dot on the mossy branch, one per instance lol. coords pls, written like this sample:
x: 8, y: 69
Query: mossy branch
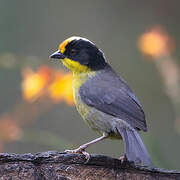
x: 59, y: 165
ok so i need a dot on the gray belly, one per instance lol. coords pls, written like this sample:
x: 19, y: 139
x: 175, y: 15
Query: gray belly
x: 97, y: 120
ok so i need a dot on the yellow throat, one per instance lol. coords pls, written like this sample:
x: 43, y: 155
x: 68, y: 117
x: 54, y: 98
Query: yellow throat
x: 80, y: 72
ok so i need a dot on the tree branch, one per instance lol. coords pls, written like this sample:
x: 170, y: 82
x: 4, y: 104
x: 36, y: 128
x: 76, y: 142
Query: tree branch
x: 58, y: 165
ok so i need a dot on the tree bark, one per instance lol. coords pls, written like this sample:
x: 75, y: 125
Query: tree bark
x: 54, y: 165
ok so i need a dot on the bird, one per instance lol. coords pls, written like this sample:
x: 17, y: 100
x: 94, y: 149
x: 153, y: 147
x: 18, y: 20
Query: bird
x: 103, y: 99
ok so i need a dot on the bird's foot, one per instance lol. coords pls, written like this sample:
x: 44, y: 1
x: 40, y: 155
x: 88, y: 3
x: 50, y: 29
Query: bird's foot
x: 123, y: 158
x: 80, y: 150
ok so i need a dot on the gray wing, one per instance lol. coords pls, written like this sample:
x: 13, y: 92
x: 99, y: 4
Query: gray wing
x: 110, y: 94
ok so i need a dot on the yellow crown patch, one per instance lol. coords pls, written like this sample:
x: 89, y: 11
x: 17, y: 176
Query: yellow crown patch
x: 62, y: 46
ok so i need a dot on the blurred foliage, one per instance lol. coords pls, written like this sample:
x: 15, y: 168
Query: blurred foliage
x: 47, y: 82
x: 159, y: 45
x: 37, y: 111
x: 40, y: 90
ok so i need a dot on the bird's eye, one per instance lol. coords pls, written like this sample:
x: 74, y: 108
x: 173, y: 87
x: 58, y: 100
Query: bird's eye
x: 73, y: 52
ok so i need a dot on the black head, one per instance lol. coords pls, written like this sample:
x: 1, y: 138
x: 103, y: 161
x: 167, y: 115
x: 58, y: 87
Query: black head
x: 83, y: 51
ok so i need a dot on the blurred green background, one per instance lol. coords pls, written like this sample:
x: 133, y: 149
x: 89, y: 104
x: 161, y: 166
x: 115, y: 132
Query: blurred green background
x: 34, y: 29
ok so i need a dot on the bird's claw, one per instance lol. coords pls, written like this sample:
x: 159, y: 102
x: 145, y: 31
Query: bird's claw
x: 123, y: 158
x: 73, y: 151
x: 87, y: 155
x: 79, y: 151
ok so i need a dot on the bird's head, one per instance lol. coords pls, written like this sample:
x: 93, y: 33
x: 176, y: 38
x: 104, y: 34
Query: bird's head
x: 80, y: 55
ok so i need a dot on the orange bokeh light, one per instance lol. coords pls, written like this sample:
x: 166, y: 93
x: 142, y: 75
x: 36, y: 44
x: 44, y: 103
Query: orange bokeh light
x: 47, y: 81
x: 61, y: 88
x: 9, y: 129
x: 156, y: 42
x: 34, y: 82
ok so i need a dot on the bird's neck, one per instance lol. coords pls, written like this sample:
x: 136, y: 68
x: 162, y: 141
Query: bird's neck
x: 79, y: 78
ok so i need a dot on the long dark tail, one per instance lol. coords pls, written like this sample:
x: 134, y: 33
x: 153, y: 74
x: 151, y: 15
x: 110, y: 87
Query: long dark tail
x: 135, y: 148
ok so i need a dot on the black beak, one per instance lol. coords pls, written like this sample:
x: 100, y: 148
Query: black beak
x: 57, y: 55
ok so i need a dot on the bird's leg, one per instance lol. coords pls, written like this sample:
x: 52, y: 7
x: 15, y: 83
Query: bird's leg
x: 81, y: 149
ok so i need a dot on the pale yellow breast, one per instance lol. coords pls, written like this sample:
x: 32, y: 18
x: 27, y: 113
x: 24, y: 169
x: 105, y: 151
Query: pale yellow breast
x: 78, y: 80
x: 97, y: 120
